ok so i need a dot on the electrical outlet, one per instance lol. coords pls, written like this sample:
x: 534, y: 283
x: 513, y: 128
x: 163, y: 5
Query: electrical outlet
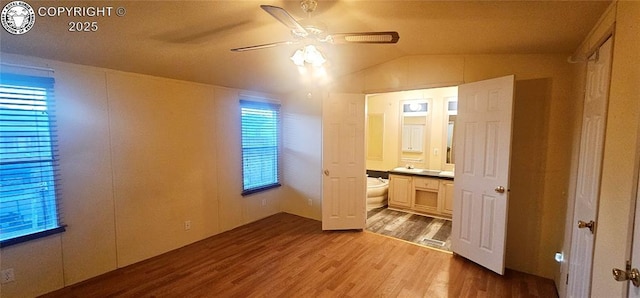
x: 7, y: 276
x: 310, y: 202
x: 187, y: 225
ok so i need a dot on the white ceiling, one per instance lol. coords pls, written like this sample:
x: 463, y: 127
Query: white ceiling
x: 190, y: 40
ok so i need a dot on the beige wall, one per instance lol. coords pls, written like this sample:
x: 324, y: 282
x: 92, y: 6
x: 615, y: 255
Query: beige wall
x: 139, y: 156
x: 536, y: 220
x: 579, y: 74
x: 302, y: 150
x: 529, y: 206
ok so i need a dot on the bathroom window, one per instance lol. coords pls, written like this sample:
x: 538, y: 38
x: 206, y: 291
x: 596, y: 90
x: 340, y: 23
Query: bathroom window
x: 29, y: 203
x: 260, y: 146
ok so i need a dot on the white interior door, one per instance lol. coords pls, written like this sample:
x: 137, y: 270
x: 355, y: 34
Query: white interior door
x: 589, y: 171
x: 483, y: 152
x: 343, y: 162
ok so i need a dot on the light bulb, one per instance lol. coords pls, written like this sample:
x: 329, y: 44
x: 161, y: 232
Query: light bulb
x: 415, y: 107
x: 313, y: 56
x: 309, y: 54
x: 298, y: 58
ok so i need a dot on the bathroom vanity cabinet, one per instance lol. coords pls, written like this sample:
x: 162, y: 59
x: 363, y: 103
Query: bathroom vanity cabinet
x: 421, y: 194
x: 446, y: 191
x: 400, y: 188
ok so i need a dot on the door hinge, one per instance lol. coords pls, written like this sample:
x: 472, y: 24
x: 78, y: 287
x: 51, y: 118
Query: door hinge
x: 567, y: 282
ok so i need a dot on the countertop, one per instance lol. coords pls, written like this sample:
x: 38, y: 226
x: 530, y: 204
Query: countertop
x: 423, y: 172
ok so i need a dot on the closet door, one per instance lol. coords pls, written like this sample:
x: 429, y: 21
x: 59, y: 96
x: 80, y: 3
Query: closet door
x: 594, y: 119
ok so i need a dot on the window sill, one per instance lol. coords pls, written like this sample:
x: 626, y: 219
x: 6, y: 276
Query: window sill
x: 261, y: 189
x: 25, y: 238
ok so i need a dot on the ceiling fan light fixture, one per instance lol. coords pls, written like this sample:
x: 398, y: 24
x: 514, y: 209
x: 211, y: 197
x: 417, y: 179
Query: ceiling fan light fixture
x: 298, y: 58
x: 316, y: 32
x: 309, y: 54
x: 313, y: 56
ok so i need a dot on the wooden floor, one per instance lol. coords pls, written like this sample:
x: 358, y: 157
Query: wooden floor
x: 419, y: 229
x: 289, y: 256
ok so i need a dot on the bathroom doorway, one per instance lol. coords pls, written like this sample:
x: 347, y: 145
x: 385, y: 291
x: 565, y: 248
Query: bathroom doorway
x: 410, y: 130
x: 482, y: 150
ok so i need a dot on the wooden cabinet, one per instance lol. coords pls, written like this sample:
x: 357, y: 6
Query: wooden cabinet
x: 446, y: 192
x: 400, y: 188
x: 425, y: 194
x: 420, y: 194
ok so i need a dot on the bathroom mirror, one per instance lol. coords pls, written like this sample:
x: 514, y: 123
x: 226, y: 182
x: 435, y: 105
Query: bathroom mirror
x: 449, y: 150
x: 450, y: 122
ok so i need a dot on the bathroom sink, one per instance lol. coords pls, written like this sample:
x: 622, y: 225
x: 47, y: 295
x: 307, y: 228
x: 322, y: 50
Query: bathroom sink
x: 407, y: 170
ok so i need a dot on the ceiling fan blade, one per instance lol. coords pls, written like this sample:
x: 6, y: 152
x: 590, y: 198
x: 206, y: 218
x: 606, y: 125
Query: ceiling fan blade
x: 285, y: 18
x: 365, y: 37
x: 263, y: 46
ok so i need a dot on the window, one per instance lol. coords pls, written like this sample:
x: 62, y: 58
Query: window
x: 260, y: 146
x: 29, y: 207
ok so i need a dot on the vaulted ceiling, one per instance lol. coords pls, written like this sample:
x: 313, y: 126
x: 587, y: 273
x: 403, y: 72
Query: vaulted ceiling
x: 191, y: 40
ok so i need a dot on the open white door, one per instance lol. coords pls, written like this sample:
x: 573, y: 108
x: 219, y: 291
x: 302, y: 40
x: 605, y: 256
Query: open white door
x: 594, y: 118
x: 343, y: 162
x: 483, y: 152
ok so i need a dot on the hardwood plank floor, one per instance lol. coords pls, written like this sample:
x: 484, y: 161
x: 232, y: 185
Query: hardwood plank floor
x: 290, y: 256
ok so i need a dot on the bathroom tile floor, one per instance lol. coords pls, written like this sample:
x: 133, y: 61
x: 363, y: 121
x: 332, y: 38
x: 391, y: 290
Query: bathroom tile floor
x: 422, y: 230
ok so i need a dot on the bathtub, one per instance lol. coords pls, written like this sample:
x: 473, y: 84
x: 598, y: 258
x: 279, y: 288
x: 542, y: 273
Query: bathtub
x: 376, y: 192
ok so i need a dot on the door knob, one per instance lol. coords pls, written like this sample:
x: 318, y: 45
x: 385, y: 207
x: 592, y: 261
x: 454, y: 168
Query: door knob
x: 326, y: 172
x: 499, y: 189
x: 591, y: 225
x: 621, y: 275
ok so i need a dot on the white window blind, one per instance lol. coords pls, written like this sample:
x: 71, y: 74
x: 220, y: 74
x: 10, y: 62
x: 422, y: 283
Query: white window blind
x: 260, y: 146
x: 29, y: 203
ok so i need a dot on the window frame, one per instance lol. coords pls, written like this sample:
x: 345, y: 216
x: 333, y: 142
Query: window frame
x: 23, y: 82
x: 269, y: 106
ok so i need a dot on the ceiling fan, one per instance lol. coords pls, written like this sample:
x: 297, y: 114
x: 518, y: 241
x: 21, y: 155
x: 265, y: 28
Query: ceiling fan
x: 302, y: 31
